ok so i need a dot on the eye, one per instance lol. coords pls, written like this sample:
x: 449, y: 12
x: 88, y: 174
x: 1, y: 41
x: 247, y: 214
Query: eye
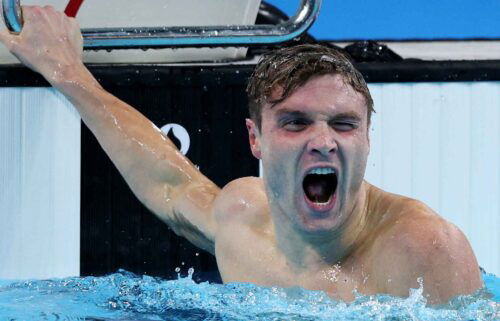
x: 344, y: 126
x: 295, y: 125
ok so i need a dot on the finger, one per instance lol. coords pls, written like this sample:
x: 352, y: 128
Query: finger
x: 28, y: 12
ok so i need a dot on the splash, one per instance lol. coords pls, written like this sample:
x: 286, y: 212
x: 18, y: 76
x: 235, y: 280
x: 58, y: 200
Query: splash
x: 126, y: 296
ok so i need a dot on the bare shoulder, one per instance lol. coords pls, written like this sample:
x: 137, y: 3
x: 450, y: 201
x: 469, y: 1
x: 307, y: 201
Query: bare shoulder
x: 414, y: 243
x: 420, y: 232
x: 243, y: 200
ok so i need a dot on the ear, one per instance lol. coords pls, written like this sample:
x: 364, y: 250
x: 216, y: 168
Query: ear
x: 254, y: 138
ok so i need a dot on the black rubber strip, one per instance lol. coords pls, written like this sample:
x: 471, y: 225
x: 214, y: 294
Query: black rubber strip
x: 129, y: 75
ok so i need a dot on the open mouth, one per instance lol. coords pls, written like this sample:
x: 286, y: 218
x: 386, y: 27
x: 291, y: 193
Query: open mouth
x: 320, y: 185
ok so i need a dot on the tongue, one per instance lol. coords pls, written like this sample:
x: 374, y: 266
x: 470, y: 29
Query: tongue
x: 317, y: 189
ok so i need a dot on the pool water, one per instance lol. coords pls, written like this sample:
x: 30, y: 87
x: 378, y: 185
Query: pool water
x: 126, y: 296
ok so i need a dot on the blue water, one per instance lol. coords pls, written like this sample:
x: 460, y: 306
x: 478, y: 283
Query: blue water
x: 126, y: 296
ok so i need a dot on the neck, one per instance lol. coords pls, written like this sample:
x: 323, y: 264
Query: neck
x: 307, y: 250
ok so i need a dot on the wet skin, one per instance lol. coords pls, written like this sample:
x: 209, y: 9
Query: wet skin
x: 369, y: 240
x: 265, y: 231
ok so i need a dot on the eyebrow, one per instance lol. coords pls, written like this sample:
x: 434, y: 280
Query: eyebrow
x: 349, y: 115
x: 290, y: 112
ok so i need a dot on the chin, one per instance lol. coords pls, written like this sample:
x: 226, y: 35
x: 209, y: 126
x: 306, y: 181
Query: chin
x: 311, y: 222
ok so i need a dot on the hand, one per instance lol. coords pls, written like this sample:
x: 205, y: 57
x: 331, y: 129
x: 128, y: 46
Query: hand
x: 49, y: 43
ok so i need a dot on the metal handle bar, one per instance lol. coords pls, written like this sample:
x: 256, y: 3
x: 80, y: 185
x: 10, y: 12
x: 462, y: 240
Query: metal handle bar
x: 206, y: 36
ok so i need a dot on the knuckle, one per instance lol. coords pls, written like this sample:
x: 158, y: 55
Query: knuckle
x: 32, y: 12
x: 36, y: 9
x: 29, y: 10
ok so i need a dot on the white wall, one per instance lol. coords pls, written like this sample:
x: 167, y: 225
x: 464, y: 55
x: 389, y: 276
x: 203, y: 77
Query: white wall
x: 440, y: 143
x: 39, y: 184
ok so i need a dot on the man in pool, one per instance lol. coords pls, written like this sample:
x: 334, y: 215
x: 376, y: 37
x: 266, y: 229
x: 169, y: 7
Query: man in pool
x: 311, y: 221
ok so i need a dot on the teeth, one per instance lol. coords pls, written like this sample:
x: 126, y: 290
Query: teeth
x: 322, y: 171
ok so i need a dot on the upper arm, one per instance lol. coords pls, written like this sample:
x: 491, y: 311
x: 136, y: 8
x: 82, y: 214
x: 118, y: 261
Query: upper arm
x: 187, y: 208
x: 447, y: 263
x: 436, y: 251
x: 197, y: 208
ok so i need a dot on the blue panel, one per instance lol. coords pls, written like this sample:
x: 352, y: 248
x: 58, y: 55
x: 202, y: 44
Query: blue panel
x: 410, y: 19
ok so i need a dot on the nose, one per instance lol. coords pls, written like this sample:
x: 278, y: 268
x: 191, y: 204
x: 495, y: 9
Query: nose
x: 322, y: 141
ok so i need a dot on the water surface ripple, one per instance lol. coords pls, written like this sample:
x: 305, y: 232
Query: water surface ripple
x: 126, y: 296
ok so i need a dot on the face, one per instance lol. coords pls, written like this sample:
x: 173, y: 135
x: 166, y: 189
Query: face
x: 314, y: 147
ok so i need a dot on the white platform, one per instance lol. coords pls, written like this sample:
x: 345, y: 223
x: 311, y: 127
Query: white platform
x: 152, y: 13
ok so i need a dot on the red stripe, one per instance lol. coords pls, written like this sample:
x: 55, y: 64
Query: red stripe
x: 73, y: 7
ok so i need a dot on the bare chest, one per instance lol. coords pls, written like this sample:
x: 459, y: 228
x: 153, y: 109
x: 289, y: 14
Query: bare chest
x: 256, y: 260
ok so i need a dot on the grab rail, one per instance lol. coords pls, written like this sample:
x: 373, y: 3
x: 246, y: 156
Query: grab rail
x: 195, y: 36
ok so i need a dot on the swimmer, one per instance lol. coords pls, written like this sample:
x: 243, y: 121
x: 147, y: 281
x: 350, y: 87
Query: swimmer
x: 312, y: 220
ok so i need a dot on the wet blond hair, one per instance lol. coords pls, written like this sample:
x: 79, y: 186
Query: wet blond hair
x: 291, y: 67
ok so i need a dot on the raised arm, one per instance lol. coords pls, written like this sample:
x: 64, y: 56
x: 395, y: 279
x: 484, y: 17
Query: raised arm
x: 159, y: 175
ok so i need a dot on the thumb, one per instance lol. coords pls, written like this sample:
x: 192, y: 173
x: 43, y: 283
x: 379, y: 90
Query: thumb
x: 8, y: 39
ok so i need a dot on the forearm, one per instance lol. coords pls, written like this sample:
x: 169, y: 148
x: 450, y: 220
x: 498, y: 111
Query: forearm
x: 51, y: 44
x: 140, y: 151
